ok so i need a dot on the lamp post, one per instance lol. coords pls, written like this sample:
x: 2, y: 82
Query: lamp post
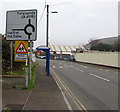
x: 47, y: 25
x: 47, y: 28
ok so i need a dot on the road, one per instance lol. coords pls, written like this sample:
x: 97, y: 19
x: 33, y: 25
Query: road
x: 95, y: 87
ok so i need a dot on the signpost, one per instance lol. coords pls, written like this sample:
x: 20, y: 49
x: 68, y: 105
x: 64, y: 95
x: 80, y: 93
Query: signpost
x: 21, y: 25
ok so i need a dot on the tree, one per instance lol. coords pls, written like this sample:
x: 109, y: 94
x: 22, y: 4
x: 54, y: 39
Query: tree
x: 5, y: 55
x: 103, y: 47
x: 117, y: 45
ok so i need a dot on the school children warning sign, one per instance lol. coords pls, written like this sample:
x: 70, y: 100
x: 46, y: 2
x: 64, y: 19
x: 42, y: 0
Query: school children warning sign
x: 21, y: 51
x: 21, y: 48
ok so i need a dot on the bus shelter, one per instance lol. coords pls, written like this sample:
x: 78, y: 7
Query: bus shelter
x: 47, y: 50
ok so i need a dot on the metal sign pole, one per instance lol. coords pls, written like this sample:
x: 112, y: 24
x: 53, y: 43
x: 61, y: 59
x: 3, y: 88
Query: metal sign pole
x: 26, y: 71
x: 11, y: 62
x: 30, y: 63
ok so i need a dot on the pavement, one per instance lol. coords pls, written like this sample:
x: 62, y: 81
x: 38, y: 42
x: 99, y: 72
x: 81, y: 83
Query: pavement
x: 45, y: 96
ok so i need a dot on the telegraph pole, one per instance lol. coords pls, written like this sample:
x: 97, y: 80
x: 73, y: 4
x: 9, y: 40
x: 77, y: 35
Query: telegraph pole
x: 47, y: 26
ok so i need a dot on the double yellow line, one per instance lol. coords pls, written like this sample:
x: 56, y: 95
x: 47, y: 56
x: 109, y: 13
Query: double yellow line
x: 69, y: 92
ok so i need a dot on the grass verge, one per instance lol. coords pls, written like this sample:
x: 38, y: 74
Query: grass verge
x: 31, y: 83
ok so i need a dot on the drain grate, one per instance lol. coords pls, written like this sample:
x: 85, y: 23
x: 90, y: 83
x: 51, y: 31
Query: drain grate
x: 14, y: 107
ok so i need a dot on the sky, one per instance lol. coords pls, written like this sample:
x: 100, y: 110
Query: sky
x: 76, y: 22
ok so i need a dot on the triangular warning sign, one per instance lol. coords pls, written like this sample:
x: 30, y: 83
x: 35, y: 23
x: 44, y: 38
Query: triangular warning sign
x: 21, y: 48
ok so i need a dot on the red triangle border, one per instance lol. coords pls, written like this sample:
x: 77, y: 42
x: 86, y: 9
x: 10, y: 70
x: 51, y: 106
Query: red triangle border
x: 23, y: 46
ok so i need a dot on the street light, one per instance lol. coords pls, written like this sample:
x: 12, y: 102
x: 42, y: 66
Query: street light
x: 47, y: 28
x: 54, y: 12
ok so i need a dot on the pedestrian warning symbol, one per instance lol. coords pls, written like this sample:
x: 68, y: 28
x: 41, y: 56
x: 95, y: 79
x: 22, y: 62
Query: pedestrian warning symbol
x: 21, y: 48
x: 21, y: 51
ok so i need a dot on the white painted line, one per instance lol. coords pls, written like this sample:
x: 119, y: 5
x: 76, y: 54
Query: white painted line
x: 76, y: 101
x: 71, y: 66
x: 65, y: 66
x: 100, y: 77
x: 83, y: 66
x: 60, y: 67
x: 77, y: 69
x: 60, y: 63
x: 107, y: 70
x: 101, y: 69
x: 64, y: 97
x: 27, y: 99
x: 53, y: 66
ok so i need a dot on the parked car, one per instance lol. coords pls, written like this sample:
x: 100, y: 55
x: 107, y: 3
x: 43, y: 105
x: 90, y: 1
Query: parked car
x: 42, y: 57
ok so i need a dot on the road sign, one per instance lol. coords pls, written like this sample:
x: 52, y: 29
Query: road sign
x: 20, y: 57
x: 21, y: 25
x: 21, y: 51
x: 21, y: 47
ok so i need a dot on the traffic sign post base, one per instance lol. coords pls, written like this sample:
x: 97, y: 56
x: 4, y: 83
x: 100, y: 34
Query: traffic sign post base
x: 26, y: 72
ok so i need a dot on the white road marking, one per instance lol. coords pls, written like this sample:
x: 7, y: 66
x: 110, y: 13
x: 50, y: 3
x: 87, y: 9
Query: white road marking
x: 64, y: 97
x: 53, y: 66
x: 83, y: 66
x: 100, y: 77
x: 77, y: 102
x: 60, y: 63
x: 101, y: 69
x: 77, y: 69
x: 106, y: 70
x: 60, y: 67
x: 71, y: 66
x: 65, y: 66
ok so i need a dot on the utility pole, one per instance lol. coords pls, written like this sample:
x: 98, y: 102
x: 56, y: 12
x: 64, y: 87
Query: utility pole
x: 47, y: 26
x: 47, y: 29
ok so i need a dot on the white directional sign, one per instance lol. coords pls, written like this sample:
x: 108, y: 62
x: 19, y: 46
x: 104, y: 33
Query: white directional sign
x: 21, y: 25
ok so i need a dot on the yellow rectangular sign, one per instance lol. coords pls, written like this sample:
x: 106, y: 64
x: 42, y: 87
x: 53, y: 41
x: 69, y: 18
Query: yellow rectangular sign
x: 21, y: 51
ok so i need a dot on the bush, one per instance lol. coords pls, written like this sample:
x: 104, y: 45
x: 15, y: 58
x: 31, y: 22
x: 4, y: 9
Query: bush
x: 5, y: 55
x: 103, y: 47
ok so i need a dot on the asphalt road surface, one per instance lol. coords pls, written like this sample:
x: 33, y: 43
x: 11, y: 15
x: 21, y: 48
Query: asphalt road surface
x: 95, y: 87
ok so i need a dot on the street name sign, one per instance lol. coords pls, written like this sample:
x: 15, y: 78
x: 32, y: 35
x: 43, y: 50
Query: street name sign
x: 21, y: 25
